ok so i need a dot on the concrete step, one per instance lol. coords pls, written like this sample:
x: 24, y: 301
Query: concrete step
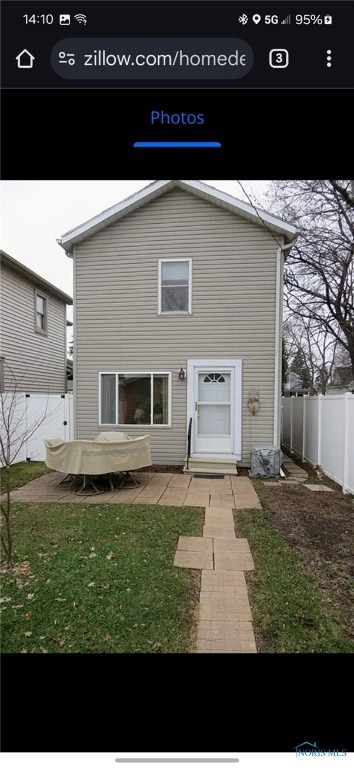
x: 211, y: 467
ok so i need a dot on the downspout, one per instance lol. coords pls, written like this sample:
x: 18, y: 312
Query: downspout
x: 73, y: 257
x: 278, y: 340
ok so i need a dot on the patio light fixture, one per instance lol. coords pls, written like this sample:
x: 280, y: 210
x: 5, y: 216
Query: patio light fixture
x: 182, y: 374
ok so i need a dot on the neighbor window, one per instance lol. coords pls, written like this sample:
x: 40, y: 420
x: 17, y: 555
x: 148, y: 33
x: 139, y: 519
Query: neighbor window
x: 41, y: 313
x: 175, y: 285
x: 134, y: 398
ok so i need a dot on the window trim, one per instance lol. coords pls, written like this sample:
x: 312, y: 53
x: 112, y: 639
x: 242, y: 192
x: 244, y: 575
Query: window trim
x: 41, y: 331
x: 2, y: 373
x: 183, y: 312
x: 135, y: 373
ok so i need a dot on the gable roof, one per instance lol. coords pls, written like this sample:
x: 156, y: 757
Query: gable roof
x: 9, y: 261
x: 157, y: 188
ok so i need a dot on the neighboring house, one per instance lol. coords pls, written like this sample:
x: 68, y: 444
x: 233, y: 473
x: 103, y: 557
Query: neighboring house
x: 294, y: 382
x: 177, y: 317
x: 342, y: 381
x: 33, y: 330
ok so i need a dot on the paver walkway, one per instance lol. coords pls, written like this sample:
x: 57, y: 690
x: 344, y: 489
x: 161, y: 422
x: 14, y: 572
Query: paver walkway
x: 225, y: 619
x: 162, y: 488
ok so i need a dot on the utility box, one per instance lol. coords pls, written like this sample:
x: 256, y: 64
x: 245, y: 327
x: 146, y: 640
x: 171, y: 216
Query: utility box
x: 266, y: 461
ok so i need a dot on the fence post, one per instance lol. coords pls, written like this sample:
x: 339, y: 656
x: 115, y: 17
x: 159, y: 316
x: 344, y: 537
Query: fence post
x: 291, y: 423
x: 303, y: 426
x: 346, y: 445
x: 319, y: 430
x: 281, y: 420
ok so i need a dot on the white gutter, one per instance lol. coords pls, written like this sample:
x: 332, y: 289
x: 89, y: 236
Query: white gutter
x: 75, y: 355
x: 278, y: 340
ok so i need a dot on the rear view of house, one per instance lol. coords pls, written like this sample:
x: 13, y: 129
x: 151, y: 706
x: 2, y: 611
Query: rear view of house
x: 177, y: 323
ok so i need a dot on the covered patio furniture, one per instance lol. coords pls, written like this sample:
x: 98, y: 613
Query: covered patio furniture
x: 110, y: 453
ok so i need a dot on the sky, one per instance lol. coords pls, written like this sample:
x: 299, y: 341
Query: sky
x: 35, y: 213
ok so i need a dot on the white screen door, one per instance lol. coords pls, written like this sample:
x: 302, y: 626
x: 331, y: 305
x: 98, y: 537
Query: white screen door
x: 213, y: 411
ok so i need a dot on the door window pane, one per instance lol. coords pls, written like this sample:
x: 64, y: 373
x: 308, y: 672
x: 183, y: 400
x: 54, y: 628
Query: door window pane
x: 215, y: 390
x: 214, y: 420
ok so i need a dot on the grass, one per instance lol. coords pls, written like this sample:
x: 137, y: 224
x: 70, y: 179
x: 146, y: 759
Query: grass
x: 291, y: 612
x: 24, y: 471
x: 99, y: 579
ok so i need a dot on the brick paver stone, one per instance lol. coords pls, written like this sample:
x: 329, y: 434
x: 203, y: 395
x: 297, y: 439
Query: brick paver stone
x: 224, y: 609
x: 223, y: 630
x: 234, y: 645
x: 196, y: 500
x: 142, y: 499
x: 234, y: 546
x: 216, y: 579
x: 200, y: 560
x: 179, y: 481
x: 225, y: 561
x: 318, y: 487
x: 195, y: 544
x: 217, y: 532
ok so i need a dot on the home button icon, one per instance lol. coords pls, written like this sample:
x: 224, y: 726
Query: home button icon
x: 25, y: 59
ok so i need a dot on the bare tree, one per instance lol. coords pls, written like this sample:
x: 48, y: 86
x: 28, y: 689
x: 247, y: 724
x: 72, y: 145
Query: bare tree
x: 312, y: 352
x: 14, y: 434
x: 319, y: 270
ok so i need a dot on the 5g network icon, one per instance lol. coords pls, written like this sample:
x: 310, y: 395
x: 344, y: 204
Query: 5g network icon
x: 278, y: 58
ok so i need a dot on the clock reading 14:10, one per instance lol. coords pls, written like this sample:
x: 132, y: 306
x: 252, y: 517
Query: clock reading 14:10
x: 44, y: 18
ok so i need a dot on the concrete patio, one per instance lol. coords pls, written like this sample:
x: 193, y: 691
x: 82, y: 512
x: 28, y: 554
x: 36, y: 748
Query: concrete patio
x: 164, y: 488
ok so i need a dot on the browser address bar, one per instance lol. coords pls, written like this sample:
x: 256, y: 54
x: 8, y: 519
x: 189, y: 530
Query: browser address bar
x: 150, y: 58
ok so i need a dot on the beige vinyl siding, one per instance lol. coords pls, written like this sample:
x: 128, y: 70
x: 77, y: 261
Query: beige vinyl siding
x: 38, y: 360
x: 233, y: 310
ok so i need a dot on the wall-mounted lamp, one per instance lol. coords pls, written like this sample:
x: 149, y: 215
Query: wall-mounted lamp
x: 182, y: 374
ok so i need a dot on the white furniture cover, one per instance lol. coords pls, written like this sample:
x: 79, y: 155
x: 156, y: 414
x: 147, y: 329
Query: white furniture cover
x: 108, y: 452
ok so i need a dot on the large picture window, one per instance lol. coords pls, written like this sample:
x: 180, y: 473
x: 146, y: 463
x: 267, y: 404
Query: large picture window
x: 135, y: 398
x: 175, y: 286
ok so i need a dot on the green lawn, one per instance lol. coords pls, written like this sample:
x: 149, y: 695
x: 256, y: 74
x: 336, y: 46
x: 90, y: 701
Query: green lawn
x: 25, y: 471
x: 292, y: 612
x: 99, y: 579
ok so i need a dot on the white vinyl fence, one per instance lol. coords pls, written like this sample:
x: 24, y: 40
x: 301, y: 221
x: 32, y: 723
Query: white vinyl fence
x: 52, y: 413
x: 321, y: 430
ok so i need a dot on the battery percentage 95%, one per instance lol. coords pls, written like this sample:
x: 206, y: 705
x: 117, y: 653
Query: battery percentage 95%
x: 312, y: 18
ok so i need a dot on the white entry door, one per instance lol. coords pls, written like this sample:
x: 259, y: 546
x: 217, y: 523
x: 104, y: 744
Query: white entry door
x: 214, y: 405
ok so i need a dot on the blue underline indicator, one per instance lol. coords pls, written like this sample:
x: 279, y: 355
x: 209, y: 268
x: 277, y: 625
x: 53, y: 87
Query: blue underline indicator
x: 177, y: 145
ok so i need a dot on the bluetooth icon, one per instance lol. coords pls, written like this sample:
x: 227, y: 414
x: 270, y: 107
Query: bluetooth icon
x: 243, y: 19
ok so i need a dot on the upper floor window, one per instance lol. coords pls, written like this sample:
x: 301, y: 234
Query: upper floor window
x: 41, y: 319
x: 175, y: 285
